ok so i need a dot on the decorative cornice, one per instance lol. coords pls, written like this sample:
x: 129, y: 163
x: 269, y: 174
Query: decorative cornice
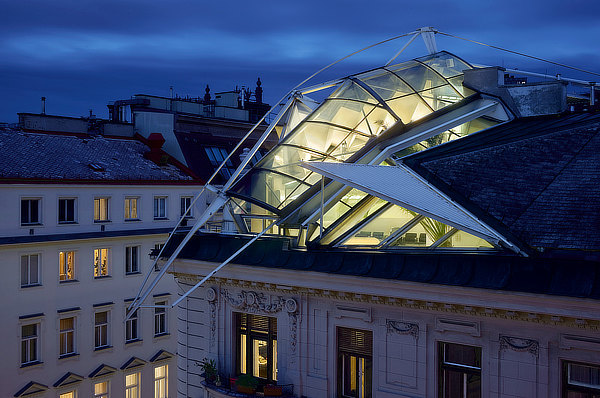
x: 519, y: 344
x: 403, y: 328
x: 427, y: 305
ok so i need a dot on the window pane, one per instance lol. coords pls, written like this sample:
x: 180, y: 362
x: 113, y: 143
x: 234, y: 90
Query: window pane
x: 385, y: 84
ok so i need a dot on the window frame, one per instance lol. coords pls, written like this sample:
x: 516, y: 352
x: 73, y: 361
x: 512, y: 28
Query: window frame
x: 59, y: 208
x: 64, y: 334
x: 98, y: 266
x: 443, y: 365
x: 161, y: 318
x: 251, y: 335
x: 158, y: 215
x: 129, y: 257
x: 99, y: 207
x: 136, y: 386
x: 185, y: 202
x: 63, y: 260
x: 160, y: 390
x: 25, y: 343
x: 102, y: 329
x: 29, y: 282
x: 29, y: 222
x: 577, y: 388
x: 362, y: 353
x: 132, y: 327
x: 64, y: 394
x: 102, y: 394
x: 127, y: 209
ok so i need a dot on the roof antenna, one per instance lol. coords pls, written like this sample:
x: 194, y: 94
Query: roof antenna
x: 428, y: 35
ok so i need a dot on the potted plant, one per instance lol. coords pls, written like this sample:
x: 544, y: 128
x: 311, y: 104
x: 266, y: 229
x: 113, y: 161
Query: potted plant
x: 209, y: 369
x: 271, y: 390
x: 246, y: 384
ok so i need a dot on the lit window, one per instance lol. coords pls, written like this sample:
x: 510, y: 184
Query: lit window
x: 66, y: 211
x: 100, y: 262
x: 101, y: 209
x: 160, y: 319
x: 66, y: 266
x: 160, y: 207
x: 131, y: 328
x: 355, y: 362
x: 581, y: 380
x: 30, y: 275
x: 131, y: 209
x: 68, y: 394
x: 257, y: 346
x: 67, y: 336
x: 132, y: 385
x: 29, y: 343
x: 459, y: 371
x: 186, y: 203
x: 161, y: 381
x: 101, y: 390
x: 30, y: 211
x: 132, y: 255
x: 101, y: 329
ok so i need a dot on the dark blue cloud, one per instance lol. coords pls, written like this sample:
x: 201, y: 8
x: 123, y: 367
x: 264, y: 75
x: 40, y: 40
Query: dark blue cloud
x: 82, y: 54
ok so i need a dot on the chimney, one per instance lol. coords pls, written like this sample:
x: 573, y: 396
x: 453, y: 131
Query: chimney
x: 156, y: 154
x: 43, y: 105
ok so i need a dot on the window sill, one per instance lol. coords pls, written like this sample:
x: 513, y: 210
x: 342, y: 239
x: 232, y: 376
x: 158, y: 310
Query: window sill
x: 33, y: 224
x: 162, y: 335
x: 67, y: 222
x: 70, y: 355
x: 128, y: 342
x: 101, y: 221
x: 30, y: 364
x: 132, y: 219
x: 67, y: 281
x: 104, y: 347
x: 32, y: 285
x: 102, y: 277
x: 161, y: 218
x: 133, y: 273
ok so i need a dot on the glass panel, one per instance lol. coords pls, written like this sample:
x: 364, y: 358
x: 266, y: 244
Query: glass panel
x: 320, y: 137
x: 376, y: 122
x: 458, y: 354
x: 583, y: 375
x: 418, y: 76
x: 439, y: 97
x: 341, y: 207
x: 351, y: 90
x: 350, y: 145
x: 445, y: 64
x: 423, y: 234
x: 385, y: 84
x: 243, y: 358
x: 275, y: 360
x: 409, y: 108
x: 460, y: 384
x: 259, y: 350
x: 457, y: 82
x: 464, y: 239
x: 381, y: 227
x: 33, y: 269
x: 342, y: 113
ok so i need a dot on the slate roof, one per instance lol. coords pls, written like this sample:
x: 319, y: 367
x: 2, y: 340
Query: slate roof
x: 539, y: 178
x: 498, y: 271
x: 51, y: 157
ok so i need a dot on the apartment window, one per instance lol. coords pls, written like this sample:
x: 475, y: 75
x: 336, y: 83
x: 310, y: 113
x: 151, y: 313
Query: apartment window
x: 186, y: 203
x: 581, y: 380
x: 68, y: 394
x: 459, y: 370
x: 131, y: 209
x: 30, y: 270
x: 101, y: 389
x: 30, y: 211
x: 257, y: 346
x: 132, y: 385
x: 29, y: 343
x: 101, y: 329
x: 355, y: 362
x: 132, y: 259
x: 66, y: 211
x: 160, y: 319
x: 67, y: 336
x: 160, y: 207
x: 131, y: 328
x: 100, y: 262
x: 101, y: 209
x: 66, y: 266
x: 161, y: 380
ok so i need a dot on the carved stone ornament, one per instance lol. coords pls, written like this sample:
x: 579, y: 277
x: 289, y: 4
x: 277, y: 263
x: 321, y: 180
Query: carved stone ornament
x: 291, y: 305
x: 518, y: 344
x: 403, y: 328
x: 211, y: 294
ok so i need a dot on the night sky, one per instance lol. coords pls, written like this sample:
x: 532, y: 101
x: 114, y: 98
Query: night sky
x: 82, y: 54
